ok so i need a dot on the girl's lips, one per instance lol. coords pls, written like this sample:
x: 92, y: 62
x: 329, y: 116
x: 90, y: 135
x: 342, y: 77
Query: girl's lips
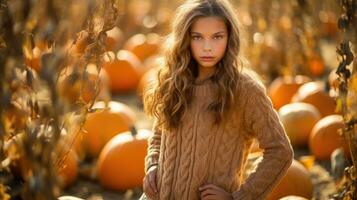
x: 207, y: 58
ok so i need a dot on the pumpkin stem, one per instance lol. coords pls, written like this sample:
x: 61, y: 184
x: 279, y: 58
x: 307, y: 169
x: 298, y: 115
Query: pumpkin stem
x: 133, y: 131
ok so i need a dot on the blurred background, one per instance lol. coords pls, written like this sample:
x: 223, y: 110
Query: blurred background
x: 73, y: 73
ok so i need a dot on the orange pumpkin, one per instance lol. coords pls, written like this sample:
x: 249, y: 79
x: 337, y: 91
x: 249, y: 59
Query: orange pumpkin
x: 282, y: 89
x: 74, y: 137
x: 124, y: 70
x: 75, y: 84
x: 313, y: 93
x: 67, y: 165
x: 329, y: 24
x: 121, y: 162
x: 325, y: 138
x: 296, y: 181
x: 152, y: 62
x: 146, y: 81
x: 298, y: 120
x: 293, y: 197
x: 101, y: 126
x: 114, y: 39
x: 69, y: 198
x: 316, y: 65
x: 65, y: 161
x: 143, y: 46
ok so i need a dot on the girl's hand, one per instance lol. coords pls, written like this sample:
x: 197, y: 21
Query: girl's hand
x: 213, y: 192
x: 149, y: 183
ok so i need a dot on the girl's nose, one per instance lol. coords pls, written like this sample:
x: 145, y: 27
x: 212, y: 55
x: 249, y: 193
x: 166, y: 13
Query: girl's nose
x: 207, y: 46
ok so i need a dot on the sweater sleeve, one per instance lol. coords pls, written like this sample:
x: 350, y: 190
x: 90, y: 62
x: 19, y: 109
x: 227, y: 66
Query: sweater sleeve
x: 153, y: 151
x: 262, y: 120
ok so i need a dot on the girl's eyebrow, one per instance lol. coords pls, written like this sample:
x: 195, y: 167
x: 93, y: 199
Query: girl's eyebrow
x: 213, y: 33
x: 219, y: 32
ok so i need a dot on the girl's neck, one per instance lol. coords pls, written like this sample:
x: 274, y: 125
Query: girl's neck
x: 205, y: 73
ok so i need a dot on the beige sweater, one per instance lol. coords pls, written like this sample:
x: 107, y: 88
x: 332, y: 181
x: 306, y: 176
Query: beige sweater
x: 199, y: 153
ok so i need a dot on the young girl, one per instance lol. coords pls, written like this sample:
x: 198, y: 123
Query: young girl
x: 207, y: 112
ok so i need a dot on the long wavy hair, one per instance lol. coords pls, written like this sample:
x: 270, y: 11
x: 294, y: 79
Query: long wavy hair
x: 170, y: 97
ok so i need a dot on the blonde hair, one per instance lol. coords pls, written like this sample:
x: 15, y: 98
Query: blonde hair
x: 171, y: 96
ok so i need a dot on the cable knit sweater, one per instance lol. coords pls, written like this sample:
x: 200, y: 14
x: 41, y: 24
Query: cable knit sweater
x: 202, y: 153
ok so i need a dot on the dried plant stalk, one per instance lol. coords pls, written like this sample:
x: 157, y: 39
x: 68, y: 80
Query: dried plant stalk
x: 33, y: 114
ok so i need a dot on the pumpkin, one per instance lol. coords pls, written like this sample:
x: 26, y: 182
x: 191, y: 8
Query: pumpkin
x: 313, y: 93
x: 124, y: 70
x: 74, y: 136
x: 152, y: 62
x: 67, y: 165
x: 76, y: 84
x: 143, y: 46
x: 293, y: 197
x: 325, y: 138
x: 65, y: 161
x: 114, y: 39
x: 121, y: 162
x: 102, y: 125
x: 282, y: 89
x: 296, y: 181
x: 329, y: 24
x: 69, y: 198
x: 146, y: 82
x: 316, y: 65
x: 298, y: 119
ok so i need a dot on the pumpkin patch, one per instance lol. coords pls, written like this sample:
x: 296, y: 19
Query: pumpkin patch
x: 119, y: 67
x: 143, y: 46
x: 325, y: 136
x: 298, y: 120
x: 297, y: 181
x: 82, y: 84
x: 73, y: 75
x: 100, y: 126
x: 314, y: 93
x: 282, y: 89
x: 125, y: 155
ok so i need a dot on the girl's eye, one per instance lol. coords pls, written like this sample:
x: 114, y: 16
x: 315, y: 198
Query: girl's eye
x: 218, y: 37
x: 196, y: 37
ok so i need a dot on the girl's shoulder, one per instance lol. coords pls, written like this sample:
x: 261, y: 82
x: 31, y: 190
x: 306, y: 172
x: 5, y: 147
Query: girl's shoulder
x: 253, y: 95
x: 250, y: 83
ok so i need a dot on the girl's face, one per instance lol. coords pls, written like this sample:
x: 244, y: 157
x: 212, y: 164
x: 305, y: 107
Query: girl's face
x: 208, y: 41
